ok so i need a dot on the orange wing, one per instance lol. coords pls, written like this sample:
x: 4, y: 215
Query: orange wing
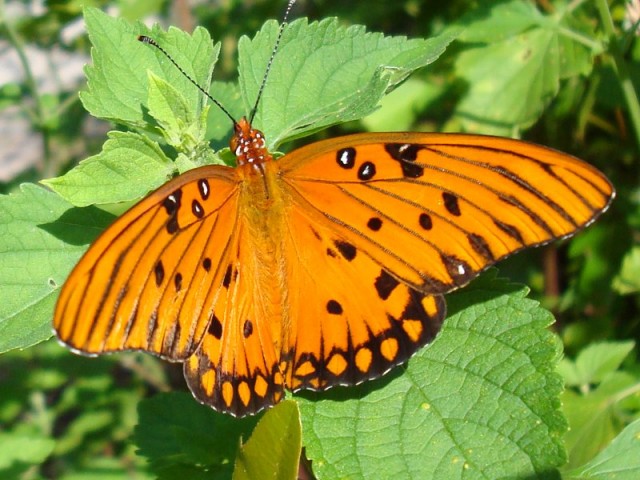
x: 435, y: 210
x: 298, y: 311
x: 151, y: 279
x: 237, y: 368
x: 350, y: 319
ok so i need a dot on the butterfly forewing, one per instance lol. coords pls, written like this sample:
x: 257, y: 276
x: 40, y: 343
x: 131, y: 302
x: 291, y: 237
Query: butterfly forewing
x: 436, y: 210
x: 147, y: 282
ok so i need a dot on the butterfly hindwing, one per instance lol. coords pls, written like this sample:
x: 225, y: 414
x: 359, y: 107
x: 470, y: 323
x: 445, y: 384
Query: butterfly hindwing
x: 438, y: 209
x: 145, y: 283
x: 350, y: 319
x: 237, y: 367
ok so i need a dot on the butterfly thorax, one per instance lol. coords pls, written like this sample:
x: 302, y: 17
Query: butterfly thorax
x: 249, y: 146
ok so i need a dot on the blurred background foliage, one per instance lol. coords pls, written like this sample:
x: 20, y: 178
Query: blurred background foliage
x: 75, y: 417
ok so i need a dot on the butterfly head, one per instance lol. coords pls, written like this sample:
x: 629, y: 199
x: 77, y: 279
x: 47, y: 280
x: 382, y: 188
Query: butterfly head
x: 248, y: 145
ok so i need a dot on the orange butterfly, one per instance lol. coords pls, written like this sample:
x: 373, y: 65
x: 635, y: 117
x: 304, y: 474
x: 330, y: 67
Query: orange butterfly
x: 326, y: 267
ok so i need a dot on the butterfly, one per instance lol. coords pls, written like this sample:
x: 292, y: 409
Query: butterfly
x: 325, y: 267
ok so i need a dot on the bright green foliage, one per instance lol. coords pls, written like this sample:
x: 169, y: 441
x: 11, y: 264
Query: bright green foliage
x: 483, y: 401
x: 346, y: 70
x: 128, y: 167
x: 273, y: 451
x: 604, y: 398
x: 620, y: 460
x: 26, y: 450
x: 399, y: 109
x: 628, y: 280
x: 66, y: 425
x: 594, y: 364
x: 518, y: 59
x: 118, y: 79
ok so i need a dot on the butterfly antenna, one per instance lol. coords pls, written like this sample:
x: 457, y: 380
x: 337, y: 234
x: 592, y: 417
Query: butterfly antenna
x: 273, y: 54
x: 153, y: 43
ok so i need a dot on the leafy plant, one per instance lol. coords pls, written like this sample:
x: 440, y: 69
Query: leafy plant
x: 482, y: 401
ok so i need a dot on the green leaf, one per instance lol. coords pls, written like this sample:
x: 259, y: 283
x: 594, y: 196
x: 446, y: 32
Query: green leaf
x: 594, y: 363
x: 183, y: 439
x: 593, y: 416
x: 273, y: 451
x: 118, y: 85
x: 533, y: 54
x: 628, y: 279
x: 620, y: 460
x: 129, y: 166
x: 169, y: 108
x: 499, y: 21
x: 25, y: 450
x: 399, y: 109
x: 325, y: 74
x: 219, y: 127
x: 108, y: 468
x: 41, y: 238
x: 480, y: 402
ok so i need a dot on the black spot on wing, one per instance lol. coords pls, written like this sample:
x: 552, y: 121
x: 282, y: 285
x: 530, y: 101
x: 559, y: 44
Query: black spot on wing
x: 334, y: 307
x: 366, y: 171
x: 406, y: 154
x: 203, y: 188
x: 206, y: 264
x: 347, y: 250
x: 172, y: 225
x: 158, y: 272
x: 425, y: 221
x: 451, y: 203
x: 459, y: 270
x: 346, y: 157
x: 480, y: 246
x: 215, y: 327
x: 226, y: 281
x: 510, y: 230
x: 247, y: 329
x: 172, y: 203
x: 374, y: 224
x: 197, y: 209
x: 385, y: 284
